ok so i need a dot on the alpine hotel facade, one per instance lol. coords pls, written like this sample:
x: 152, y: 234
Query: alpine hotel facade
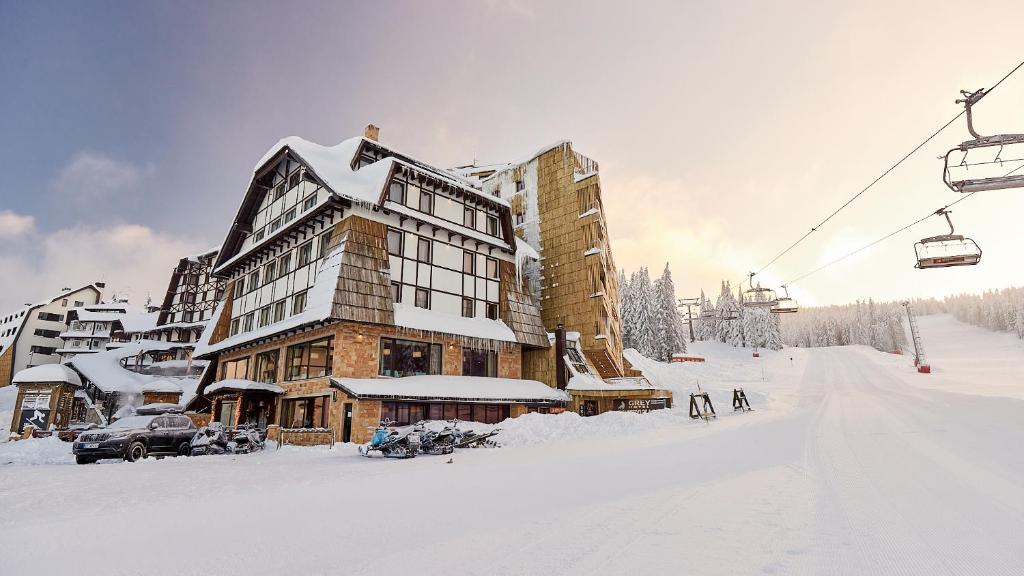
x: 351, y: 265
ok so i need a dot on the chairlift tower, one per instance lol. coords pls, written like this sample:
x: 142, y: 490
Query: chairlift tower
x: 915, y: 334
x: 688, y: 303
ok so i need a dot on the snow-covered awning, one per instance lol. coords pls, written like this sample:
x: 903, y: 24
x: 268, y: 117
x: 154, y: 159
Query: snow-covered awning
x: 239, y: 385
x: 451, y: 388
x: 47, y: 373
x: 592, y: 383
x: 423, y: 319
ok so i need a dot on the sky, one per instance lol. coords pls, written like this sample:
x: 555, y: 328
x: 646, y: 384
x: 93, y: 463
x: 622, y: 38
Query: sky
x: 724, y: 130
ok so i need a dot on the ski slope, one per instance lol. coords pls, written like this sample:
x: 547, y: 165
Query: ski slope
x: 848, y: 465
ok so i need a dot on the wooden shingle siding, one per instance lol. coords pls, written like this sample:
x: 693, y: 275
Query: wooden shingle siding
x: 517, y: 309
x: 363, y: 291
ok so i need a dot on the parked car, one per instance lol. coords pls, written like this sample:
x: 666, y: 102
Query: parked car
x: 136, y: 437
x: 75, y: 430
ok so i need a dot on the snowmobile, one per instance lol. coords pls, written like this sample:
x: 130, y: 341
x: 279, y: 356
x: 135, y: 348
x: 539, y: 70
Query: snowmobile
x: 391, y: 442
x: 470, y: 439
x: 247, y: 439
x: 210, y: 439
x: 434, y: 441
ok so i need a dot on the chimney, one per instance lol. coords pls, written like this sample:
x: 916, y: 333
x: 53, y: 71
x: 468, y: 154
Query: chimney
x: 371, y: 132
x: 561, y: 372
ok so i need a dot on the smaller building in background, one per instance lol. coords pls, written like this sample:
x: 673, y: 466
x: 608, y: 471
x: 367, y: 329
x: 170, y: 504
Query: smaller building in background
x: 31, y: 336
x: 191, y: 300
x: 96, y: 327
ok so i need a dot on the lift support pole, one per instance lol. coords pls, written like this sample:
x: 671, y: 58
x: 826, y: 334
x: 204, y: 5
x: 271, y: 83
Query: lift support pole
x: 688, y: 302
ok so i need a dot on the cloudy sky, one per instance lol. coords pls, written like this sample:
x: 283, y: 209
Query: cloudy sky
x: 724, y: 130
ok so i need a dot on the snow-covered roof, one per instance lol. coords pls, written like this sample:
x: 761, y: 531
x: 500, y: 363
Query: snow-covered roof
x: 162, y: 386
x: 243, y: 385
x: 139, y: 321
x: 408, y: 316
x: 594, y: 383
x: 467, y: 388
x: 104, y: 370
x: 47, y: 373
x: 319, y: 305
x: 98, y: 316
x: 159, y: 408
x: 333, y: 166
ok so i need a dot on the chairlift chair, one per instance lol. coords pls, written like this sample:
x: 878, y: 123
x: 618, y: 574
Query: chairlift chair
x: 955, y: 173
x: 758, y: 297
x: 785, y: 304
x: 946, y: 250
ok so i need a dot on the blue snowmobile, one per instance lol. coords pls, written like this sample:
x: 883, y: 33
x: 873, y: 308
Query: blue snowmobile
x: 392, y: 442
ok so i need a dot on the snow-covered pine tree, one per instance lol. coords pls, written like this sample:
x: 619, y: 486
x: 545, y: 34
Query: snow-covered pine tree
x: 705, y: 327
x: 669, y: 337
x: 627, y: 309
x: 643, y: 312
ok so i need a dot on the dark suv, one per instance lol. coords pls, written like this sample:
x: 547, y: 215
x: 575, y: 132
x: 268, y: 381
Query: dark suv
x: 135, y: 437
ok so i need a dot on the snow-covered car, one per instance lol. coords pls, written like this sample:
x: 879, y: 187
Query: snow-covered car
x: 75, y: 430
x: 136, y: 437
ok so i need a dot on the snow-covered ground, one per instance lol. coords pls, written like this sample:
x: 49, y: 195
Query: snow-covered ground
x: 848, y: 465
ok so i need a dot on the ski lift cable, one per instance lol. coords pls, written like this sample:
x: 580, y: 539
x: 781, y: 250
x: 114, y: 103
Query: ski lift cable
x: 938, y: 212
x: 816, y: 227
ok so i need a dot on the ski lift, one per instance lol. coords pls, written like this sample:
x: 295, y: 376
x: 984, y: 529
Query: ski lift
x: 758, y: 297
x: 955, y: 174
x: 946, y: 250
x: 785, y: 304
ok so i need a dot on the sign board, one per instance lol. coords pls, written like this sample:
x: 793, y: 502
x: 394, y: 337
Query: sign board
x: 639, y: 405
x: 40, y: 419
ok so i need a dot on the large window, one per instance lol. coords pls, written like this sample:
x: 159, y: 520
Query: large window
x: 479, y: 363
x: 265, y: 368
x: 236, y: 369
x: 310, y: 359
x: 409, y: 358
x: 406, y: 413
x: 305, y: 412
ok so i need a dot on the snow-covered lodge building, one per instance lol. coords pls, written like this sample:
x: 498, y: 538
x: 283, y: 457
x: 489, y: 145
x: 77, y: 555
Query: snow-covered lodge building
x: 348, y: 266
x: 31, y: 336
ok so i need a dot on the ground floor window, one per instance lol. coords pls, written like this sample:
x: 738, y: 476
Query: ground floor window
x: 479, y: 363
x: 545, y: 409
x: 226, y: 411
x: 405, y: 413
x: 408, y: 358
x: 310, y: 359
x: 305, y: 412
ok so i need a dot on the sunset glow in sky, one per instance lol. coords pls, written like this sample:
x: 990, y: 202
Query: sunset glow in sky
x: 724, y: 130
